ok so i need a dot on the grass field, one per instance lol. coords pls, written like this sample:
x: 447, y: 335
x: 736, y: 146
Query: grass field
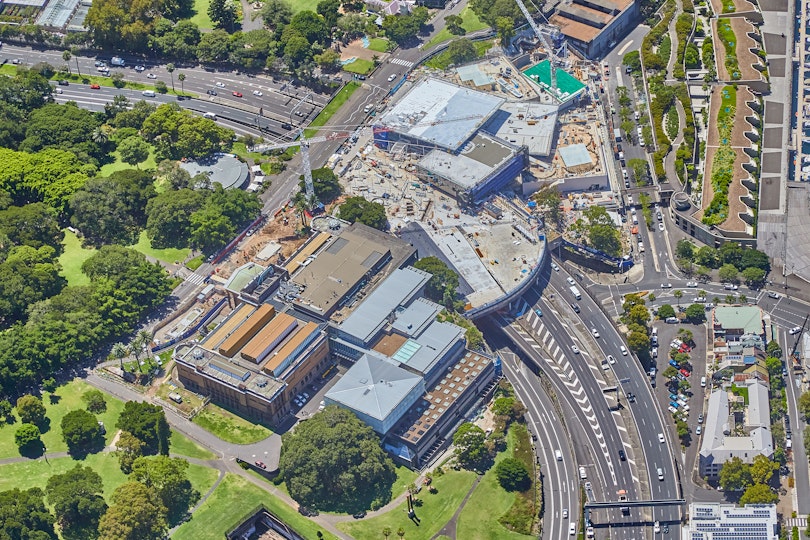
x: 201, y: 18
x: 360, y: 66
x: 436, y: 510
x: 241, y: 150
x: 470, y: 23
x: 233, y: 499
x: 35, y: 473
x: 167, y: 255
x: 441, y: 61
x: 479, y: 518
x: 333, y: 106
x: 302, y: 5
x: 229, y: 427
x: 108, y: 168
x: 379, y: 44
x: 69, y: 397
x: 72, y: 259
x: 183, y: 446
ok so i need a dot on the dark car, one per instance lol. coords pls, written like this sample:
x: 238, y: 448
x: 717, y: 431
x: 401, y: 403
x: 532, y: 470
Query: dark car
x: 631, y: 397
x: 211, y: 92
x: 359, y: 515
x: 576, y: 307
x: 63, y: 82
x: 622, y: 455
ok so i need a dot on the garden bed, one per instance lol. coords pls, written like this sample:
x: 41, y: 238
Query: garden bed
x: 722, y: 183
x: 732, y: 6
x: 735, y: 61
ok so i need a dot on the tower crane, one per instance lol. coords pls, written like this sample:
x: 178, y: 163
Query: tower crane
x: 541, y: 35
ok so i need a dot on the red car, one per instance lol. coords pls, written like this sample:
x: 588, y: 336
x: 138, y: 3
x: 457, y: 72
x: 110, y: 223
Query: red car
x: 685, y: 373
x: 261, y: 465
x: 684, y: 348
x: 94, y: 86
x: 237, y: 94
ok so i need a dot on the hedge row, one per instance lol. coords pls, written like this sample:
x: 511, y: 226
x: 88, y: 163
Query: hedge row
x: 683, y: 27
x: 650, y: 58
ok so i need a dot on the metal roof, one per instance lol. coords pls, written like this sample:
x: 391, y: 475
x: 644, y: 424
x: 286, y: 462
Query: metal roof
x: 747, y: 318
x: 374, y: 386
x: 440, y: 113
x: 575, y: 154
x: 371, y: 315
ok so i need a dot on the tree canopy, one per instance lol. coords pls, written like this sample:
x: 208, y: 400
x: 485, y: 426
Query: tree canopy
x: 470, y: 448
x: 512, y: 474
x: 441, y: 287
x: 325, y: 182
x: 30, y: 409
x: 136, y: 514
x: 147, y: 423
x: 735, y: 475
x: 334, y: 462
x: 23, y: 515
x: 168, y: 478
x: 598, y: 229
x: 81, y: 432
x: 78, y: 501
x: 366, y: 212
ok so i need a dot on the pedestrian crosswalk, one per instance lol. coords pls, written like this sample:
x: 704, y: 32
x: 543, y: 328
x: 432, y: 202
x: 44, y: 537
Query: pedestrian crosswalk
x: 191, y: 277
x: 800, y: 522
x: 401, y: 62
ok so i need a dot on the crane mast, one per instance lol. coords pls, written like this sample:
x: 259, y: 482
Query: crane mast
x: 552, y: 57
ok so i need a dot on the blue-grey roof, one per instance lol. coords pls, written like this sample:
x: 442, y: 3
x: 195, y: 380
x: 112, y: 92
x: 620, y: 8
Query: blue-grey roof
x: 575, y: 154
x: 430, y: 346
x: 414, y: 318
x: 440, y: 113
x: 373, y: 386
x: 473, y: 73
x: 372, y: 314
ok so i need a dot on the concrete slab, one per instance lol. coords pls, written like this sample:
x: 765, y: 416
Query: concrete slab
x: 776, y: 67
x: 415, y: 235
x: 776, y: 43
x: 774, y: 112
x: 798, y: 230
x: 773, y: 5
x: 769, y: 193
x: 771, y: 163
x: 772, y: 137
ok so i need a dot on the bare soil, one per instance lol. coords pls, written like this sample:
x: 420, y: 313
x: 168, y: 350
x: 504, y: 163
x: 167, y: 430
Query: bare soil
x: 745, y: 57
x: 355, y: 49
x: 741, y: 6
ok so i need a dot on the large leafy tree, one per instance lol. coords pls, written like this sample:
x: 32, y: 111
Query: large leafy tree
x: 81, y: 432
x: 735, y: 475
x: 762, y: 469
x: 176, y: 133
x: 333, y: 461
x: 759, y: 494
x: 33, y: 225
x: 66, y: 127
x: 27, y: 439
x: 136, y: 514
x: 367, y: 212
x: 696, y: 313
x: 27, y: 90
x: 461, y: 51
x: 598, y: 228
x: 444, y: 281
x: 325, y: 182
x: 146, y: 422
x: 223, y: 14
x: 403, y: 28
x: 168, y: 478
x: 28, y: 275
x: 128, y: 448
x: 214, y: 47
x: 30, y: 409
x: 512, y: 474
x: 169, y: 217
x: 23, y: 515
x: 470, y: 446
x: 804, y: 405
x: 210, y: 230
x: 78, y: 501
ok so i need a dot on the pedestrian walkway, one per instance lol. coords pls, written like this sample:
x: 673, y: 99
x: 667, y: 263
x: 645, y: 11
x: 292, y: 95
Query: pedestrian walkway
x: 191, y: 277
x: 401, y: 62
x: 800, y: 522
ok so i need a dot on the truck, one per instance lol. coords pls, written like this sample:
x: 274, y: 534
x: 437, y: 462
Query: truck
x: 617, y: 134
x: 117, y: 61
x: 575, y: 292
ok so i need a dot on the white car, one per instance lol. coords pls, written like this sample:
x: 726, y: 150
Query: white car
x: 691, y: 284
x: 611, y: 359
x: 258, y: 93
x: 640, y: 247
x: 565, y: 513
x: 140, y: 68
x: 698, y: 430
x: 594, y: 332
x: 657, y: 527
x: 57, y: 90
x: 151, y: 76
x: 661, y: 227
x: 730, y: 287
x: 220, y: 85
x: 633, y: 210
x: 555, y: 267
x: 571, y: 281
x: 773, y: 295
x: 661, y: 438
x: 796, y: 330
x: 575, y: 349
x: 392, y: 77
x: 666, y: 285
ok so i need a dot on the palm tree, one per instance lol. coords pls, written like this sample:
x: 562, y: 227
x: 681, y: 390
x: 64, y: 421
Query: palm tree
x: 300, y: 201
x: 145, y: 338
x: 170, y: 69
x: 120, y: 351
x: 678, y: 295
x: 99, y: 136
x: 386, y: 532
x: 181, y: 77
x: 66, y: 56
x: 401, y: 532
x: 75, y: 52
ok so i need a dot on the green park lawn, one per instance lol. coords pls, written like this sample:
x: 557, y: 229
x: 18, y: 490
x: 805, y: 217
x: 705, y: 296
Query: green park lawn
x: 69, y: 398
x: 167, y: 255
x: 470, y: 23
x: 304, y: 5
x: 183, y: 446
x: 435, y: 512
x: 360, y: 66
x: 108, y: 168
x: 378, y: 44
x: 479, y: 518
x: 72, y: 259
x: 201, y: 18
x: 332, y: 107
x: 443, y: 60
x: 230, y: 427
x: 231, y: 501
